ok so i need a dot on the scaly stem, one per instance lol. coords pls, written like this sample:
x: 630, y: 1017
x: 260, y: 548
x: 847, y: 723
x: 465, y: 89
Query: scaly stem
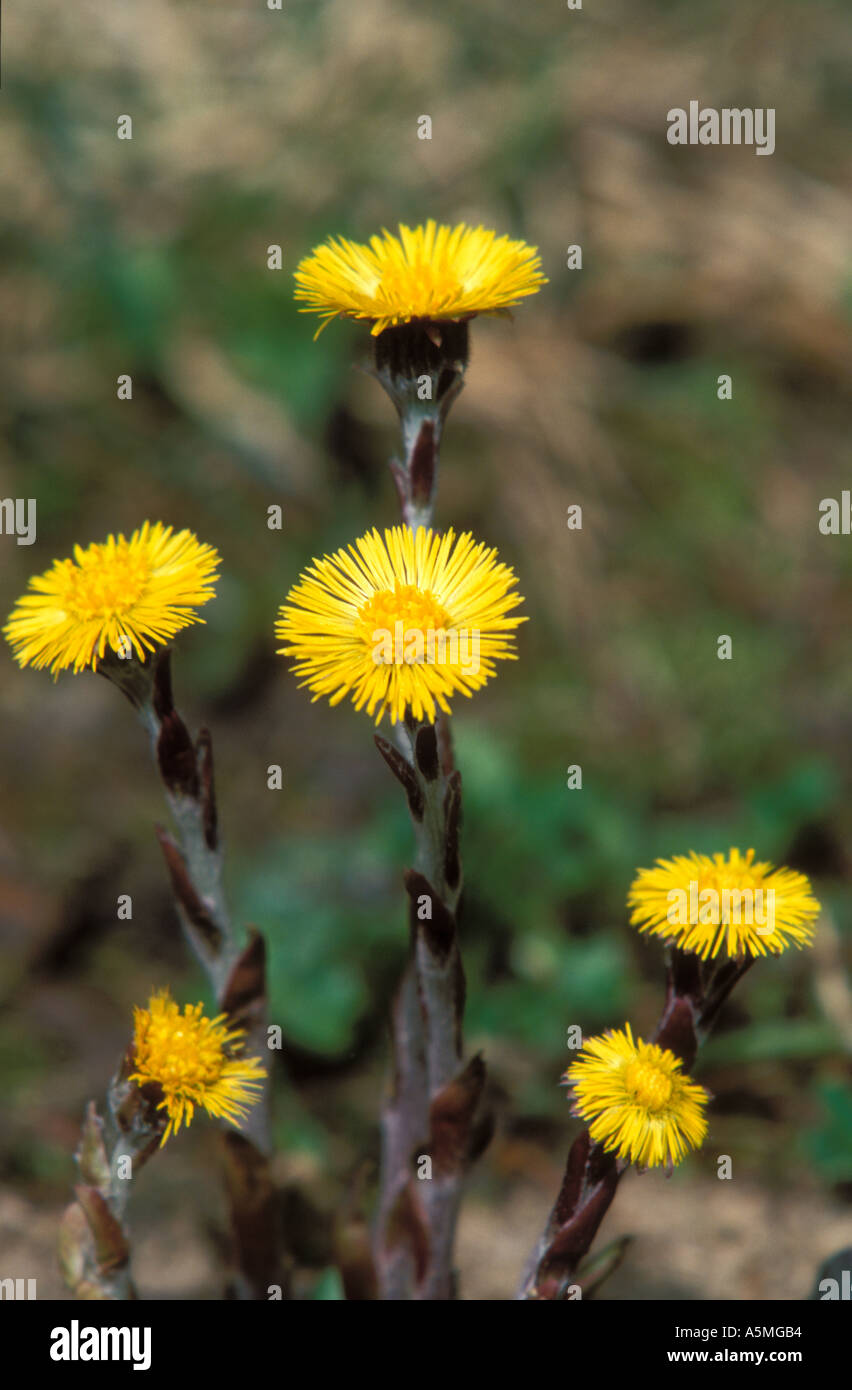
x: 694, y: 996
x: 236, y: 971
x: 428, y: 1118
x: 94, y: 1245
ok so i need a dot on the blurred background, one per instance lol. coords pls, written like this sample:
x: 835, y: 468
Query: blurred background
x: 254, y: 127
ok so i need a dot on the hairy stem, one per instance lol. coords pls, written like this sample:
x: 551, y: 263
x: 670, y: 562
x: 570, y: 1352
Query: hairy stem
x: 429, y: 1116
x: 694, y: 997
x: 94, y: 1244
x: 235, y: 968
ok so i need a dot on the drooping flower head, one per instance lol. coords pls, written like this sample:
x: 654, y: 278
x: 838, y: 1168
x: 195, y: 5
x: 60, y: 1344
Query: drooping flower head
x: 120, y: 595
x: 195, y: 1061
x: 636, y: 1099
x: 727, y: 903
x: 401, y: 622
x: 428, y: 272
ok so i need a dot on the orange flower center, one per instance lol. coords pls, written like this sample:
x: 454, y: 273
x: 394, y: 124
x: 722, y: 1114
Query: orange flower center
x: 104, y: 588
x: 415, y: 610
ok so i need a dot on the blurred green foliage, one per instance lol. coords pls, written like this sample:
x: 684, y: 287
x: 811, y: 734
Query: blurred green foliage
x: 700, y: 518
x: 828, y: 1144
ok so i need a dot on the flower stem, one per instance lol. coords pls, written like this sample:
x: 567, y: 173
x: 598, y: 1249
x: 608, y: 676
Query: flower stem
x: 428, y: 1120
x: 236, y: 970
x: 694, y: 996
x: 94, y: 1245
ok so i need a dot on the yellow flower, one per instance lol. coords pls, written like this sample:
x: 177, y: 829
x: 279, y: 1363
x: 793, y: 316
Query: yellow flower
x: 426, y: 272
x: 724, y: 904
x: 193, y: 1060
x: 401, y: 622
x: 122, y: 594
x: 636, y: 1099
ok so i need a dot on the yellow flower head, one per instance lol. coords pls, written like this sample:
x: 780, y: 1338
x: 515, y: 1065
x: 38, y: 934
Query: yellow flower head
x: 194, y: 1060
x: 402, y: 622
x: 429, y: 272
x: 636, y: 1099
x: 125, y: 595
x: 728, y: 904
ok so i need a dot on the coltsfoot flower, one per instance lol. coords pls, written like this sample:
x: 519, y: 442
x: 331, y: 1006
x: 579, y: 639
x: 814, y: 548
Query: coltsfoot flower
x: 428, y: 272
x: 195, y: 1061
x: 724, y: 903
x: 401, y: 622
x: 636, y: 1099
x: 122, y: 595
